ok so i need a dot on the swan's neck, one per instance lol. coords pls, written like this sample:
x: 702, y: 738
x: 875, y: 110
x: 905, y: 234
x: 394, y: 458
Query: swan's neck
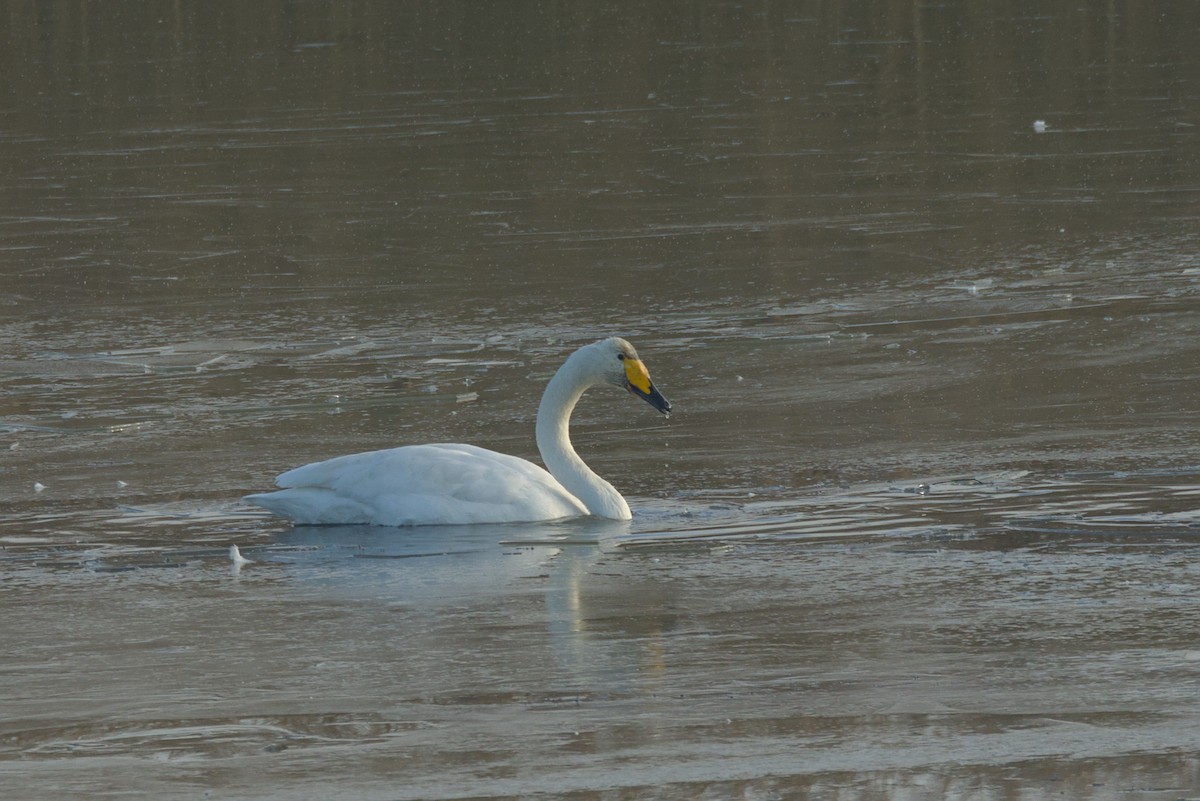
x: 560, y: 458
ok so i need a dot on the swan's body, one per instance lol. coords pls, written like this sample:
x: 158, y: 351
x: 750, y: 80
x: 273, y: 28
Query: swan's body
x: 455, y: 484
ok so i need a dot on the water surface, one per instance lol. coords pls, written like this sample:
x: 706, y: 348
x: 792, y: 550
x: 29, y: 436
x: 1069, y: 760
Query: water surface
x: 923, y: 523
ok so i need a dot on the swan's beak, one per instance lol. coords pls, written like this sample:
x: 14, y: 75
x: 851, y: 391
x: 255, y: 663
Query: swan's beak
x: 637, y: 381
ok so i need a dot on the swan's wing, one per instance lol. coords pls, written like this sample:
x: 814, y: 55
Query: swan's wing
x: 421, y: 484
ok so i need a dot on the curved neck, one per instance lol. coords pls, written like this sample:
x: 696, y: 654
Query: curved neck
x: 560, y: 458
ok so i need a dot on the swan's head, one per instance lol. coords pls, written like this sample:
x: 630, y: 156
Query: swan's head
x: 618, y: 364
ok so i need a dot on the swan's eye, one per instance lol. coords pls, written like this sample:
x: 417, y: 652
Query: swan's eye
x: 621, y: 356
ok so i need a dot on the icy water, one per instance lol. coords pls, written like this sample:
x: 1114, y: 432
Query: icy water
x: 924, y: 523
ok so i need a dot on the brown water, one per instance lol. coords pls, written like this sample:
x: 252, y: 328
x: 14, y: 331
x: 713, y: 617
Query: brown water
x: 924, y: 524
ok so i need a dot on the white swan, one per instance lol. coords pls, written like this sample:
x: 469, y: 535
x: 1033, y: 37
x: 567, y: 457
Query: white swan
x: 455, y: 484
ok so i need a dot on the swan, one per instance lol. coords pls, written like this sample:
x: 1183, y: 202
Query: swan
x: 458, y: 484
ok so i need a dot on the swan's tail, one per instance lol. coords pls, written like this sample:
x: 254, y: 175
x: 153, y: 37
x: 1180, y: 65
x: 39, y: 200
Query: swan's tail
x: 311, y: 506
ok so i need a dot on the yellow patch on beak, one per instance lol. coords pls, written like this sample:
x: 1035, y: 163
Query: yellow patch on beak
x: 637, y: 375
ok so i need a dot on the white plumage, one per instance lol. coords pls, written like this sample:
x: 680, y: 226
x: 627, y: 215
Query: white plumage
x: 457, y: 484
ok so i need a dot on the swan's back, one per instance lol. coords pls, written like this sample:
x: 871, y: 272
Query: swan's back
x: 420, y: 485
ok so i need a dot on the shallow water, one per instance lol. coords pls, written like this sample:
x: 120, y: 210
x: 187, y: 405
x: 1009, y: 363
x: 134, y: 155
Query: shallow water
x: 923, y: 524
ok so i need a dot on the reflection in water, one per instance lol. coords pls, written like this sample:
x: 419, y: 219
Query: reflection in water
x: 923, y: 524
x: 430, y: 564
x: 425, y: 569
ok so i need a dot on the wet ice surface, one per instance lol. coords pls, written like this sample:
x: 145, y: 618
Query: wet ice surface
x: 951, y: 638
x: 924, y: 523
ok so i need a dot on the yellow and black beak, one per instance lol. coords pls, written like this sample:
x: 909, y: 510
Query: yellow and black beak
x: 637, y: 381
